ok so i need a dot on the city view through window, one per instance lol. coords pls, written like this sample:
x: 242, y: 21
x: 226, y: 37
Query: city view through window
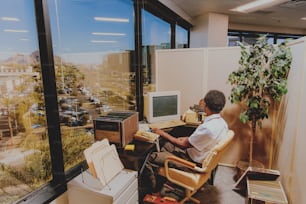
x: 94, y: 60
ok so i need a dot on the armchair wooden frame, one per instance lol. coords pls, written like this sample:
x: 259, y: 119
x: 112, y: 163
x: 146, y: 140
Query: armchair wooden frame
x: 192, y: 181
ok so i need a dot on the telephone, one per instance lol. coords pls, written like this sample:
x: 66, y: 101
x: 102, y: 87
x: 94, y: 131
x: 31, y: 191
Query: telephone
x: 193, y: 117
x: 146, y: 136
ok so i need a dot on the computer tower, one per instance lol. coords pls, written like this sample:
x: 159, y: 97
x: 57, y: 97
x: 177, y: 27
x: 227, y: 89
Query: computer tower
x: 118, y: 127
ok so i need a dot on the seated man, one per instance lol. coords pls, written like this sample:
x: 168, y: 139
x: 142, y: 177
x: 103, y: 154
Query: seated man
x: 195, y: 147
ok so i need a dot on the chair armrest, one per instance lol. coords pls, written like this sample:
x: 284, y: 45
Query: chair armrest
x: 181, y: 161
x: 191, y: 165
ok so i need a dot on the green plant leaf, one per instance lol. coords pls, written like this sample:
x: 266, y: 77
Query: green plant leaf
x: 262, y: 74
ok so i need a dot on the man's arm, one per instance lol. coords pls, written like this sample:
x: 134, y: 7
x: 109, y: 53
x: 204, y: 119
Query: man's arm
x: 182, y: 142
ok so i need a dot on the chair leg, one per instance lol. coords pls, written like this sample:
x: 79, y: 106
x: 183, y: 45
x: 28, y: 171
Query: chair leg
x: 188, y: 196
x: 212, y: 176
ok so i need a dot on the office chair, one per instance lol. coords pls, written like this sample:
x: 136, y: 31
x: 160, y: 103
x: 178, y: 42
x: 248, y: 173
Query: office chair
x: 193, y: 181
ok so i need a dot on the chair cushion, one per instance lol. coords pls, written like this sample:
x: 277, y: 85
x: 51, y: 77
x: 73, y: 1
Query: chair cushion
x: 193, y: 180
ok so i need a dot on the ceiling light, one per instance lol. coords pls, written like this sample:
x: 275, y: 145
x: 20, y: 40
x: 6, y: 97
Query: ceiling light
x: 103, y: 41
x: 108, y: 34
x: 15, y: 31
x: 9, y: 19
x: 257, y: 5
x: 304, y: 18
x: 120, y: 20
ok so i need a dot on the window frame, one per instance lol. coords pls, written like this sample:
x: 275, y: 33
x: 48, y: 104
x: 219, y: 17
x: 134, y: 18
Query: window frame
x: 275, y: 36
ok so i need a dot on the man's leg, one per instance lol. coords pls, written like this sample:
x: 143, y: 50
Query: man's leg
x: 156, y: 160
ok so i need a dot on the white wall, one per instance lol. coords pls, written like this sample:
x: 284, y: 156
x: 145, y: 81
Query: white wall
x: 290, y: 150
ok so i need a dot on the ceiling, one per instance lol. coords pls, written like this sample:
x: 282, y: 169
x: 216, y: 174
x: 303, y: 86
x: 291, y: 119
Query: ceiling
x: 287, y: 14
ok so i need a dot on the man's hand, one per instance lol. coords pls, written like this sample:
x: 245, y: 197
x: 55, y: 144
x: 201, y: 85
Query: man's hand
x: 182, y: 142
x: 158, y: 131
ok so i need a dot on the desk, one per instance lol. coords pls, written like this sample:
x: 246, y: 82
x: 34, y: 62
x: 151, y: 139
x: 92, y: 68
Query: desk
x: 136, y: 159
x: 181, y: 131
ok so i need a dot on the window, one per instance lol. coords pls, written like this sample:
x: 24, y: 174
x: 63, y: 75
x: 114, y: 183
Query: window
x: 250, y: 37
x: 156, y: 34
x: 94, y: 72
x: 63, y: 63
x: 25, y: 162
x: 181, y: 37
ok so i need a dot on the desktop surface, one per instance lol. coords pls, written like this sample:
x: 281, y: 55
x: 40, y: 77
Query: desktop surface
x: 182, y: 131
x: 167, y: 124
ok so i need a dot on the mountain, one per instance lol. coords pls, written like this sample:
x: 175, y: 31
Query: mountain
x: 22, y: 59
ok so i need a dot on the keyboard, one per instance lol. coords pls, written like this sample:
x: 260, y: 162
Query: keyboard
x: 146, y: 136
x: 167, y: 124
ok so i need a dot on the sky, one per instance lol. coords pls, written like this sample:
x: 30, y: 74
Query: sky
x: 17, y: 15
x: 72, y: 25
x: 77, y: 35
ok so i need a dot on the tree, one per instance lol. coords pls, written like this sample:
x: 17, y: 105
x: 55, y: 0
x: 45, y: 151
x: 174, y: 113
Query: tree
x: 260, y: 80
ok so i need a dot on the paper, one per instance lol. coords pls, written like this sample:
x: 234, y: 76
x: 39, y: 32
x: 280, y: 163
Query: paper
x: 107, y: 163
x: 103, y: 161
x: 90, y: 151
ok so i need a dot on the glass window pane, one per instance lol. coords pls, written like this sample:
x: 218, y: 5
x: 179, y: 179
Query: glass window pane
x: 232, y: 40
x: 156, y: 34
x: 282, y: 37
x: 249, y: 38
x: 181, y: 37
x: 24, y: 151
x: 94, y: 70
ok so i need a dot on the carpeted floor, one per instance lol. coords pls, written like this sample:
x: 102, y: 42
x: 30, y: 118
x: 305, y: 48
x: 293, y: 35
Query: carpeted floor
x: 222, y: 190
x: 220, y: 193
x: 209, y: 195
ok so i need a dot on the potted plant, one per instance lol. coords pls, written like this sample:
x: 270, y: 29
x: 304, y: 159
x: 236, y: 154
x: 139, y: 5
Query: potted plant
x: 260, y: 81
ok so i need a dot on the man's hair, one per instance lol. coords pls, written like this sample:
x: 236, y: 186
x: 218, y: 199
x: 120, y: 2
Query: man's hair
x: 215, y: 100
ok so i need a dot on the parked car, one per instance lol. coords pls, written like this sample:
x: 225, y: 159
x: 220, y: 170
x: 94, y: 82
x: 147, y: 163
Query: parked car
x: 74, y: 118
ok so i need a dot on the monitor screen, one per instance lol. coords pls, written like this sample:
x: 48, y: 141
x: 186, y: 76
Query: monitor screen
x: 162, y: 106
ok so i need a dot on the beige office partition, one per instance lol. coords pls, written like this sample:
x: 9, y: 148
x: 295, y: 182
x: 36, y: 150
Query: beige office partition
x: 221, y: 62
x: 184, y: 70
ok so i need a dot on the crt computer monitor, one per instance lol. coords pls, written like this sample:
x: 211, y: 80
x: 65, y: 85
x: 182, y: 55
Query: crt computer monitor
x: 162, y: 106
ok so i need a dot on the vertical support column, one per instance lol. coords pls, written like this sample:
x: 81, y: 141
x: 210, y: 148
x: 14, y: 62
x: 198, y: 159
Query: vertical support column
x: 210, y: 31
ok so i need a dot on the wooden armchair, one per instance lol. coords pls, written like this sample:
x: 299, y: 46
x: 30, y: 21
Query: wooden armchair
x: 192, y: 181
